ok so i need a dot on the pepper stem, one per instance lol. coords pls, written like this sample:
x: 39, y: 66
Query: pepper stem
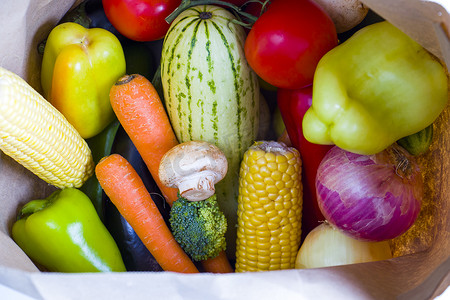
x: 32, y: 207
x: 37, y: 205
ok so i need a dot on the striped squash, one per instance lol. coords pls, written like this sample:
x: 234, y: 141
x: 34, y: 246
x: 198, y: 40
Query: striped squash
x: 211, y: 94
x: 419, y: 142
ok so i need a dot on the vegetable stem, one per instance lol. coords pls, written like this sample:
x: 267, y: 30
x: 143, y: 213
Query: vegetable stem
x: 186, y: 4
x: 403, y: 166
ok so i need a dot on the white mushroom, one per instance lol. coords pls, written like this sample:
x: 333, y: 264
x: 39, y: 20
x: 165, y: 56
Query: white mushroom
x: 194, y: 168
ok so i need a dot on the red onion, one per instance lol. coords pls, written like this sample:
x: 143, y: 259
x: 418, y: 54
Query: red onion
x: 369, y: 197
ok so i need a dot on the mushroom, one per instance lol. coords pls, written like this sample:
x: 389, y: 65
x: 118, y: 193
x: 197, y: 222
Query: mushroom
x: 194, y: 168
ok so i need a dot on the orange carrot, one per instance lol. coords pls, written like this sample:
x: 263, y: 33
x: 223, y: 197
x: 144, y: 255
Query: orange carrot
x: 126, y: 190
x: 141, y: 113
x: 218, y: 264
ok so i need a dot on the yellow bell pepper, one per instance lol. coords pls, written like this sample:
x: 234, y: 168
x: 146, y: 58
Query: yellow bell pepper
x: 373, y: 89
x: 78, y: 69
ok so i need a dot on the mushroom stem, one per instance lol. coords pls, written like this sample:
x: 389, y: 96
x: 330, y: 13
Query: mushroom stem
x: 194, y: 168
x: 198, y: 186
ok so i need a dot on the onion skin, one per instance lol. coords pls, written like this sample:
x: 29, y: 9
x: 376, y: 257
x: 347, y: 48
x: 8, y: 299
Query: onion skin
x: 326, y: 246
x: 370, y: 197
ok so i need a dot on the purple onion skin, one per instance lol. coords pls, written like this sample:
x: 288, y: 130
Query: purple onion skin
x: 370, y: 197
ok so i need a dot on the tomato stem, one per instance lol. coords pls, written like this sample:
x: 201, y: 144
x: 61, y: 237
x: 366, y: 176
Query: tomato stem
x: 185, y: 4
x: 264, y: 4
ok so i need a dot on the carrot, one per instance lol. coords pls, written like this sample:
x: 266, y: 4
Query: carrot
x: 126, y: 190
x: 218, y: 264
x: 141, y: 113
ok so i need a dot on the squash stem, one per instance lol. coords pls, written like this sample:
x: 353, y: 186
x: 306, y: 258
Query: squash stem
x: 185, y: 4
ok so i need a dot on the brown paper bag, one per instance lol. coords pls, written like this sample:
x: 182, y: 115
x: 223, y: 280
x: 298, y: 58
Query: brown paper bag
x: 421, y: 271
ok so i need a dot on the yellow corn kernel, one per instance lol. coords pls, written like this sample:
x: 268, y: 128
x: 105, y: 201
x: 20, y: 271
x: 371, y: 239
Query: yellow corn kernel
x: 261, y: 217
x: 264, y: 255
x: 275, y: 250
x: 247, y: 205
x: 268, y: 207
x: 249, y: 231
x: 290, y: 184
x: 270, y: 179
x: 252, y: 251
x: 263, y: 265
x: 263, y: 240
x: 264, y: 201
x: 263, y: 246
x: 255, y: 222
x: 272, y: 190
x: 261, y: 186
x: 282, y: 167
x: 249, y: 178
x: 279, y: 185
x: 271, y: 214
x: 261, y: 193
x: 280, y: 159
x: 271, y: 166
x: 273, y: 196
x: 254, y: 168
x: 264, y: 172
x: 285, y: 265
x: 259, y: 210
x: 38, y: 136
x: 273, y: 226
x: 276, y: 232
x: 276, y: 175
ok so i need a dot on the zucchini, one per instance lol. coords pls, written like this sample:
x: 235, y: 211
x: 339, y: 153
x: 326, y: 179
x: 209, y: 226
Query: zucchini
x: 136, y: 256
x: 211, y: 93
x: 419, y: 142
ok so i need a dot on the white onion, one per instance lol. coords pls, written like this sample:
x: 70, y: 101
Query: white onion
x: 370, y: 197
x: 327, y: 246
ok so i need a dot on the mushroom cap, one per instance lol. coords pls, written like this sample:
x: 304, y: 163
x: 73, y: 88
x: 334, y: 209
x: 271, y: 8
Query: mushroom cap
x: 194, y: 168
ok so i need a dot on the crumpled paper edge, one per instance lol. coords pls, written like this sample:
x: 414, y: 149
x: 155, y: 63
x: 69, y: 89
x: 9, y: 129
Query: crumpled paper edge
x: 347, y: 282
x: 418, y: 18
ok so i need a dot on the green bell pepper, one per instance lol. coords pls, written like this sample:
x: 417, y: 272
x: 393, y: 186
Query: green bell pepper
x: 100, y: 146
x: 63, y: 233
x: 373, y: 89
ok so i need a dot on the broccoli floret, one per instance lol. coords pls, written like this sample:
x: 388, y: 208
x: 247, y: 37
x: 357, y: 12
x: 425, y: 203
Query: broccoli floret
x: 199, y: 227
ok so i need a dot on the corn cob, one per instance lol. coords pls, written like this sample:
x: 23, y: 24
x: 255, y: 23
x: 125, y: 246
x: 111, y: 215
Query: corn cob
x: 38, y: 136
x: 269, y: 208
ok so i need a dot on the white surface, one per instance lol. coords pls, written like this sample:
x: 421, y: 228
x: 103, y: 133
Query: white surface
x: 444, y: 296
x: 8, y: 293
x: 444, y: 3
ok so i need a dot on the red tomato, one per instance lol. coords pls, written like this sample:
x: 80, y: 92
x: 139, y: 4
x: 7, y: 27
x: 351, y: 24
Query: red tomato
x: 287, y: 41
x: 140, y: 20
x: 293, y: 105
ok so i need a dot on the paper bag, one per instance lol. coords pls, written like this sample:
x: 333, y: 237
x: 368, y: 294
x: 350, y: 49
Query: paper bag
x: 420, y: 271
